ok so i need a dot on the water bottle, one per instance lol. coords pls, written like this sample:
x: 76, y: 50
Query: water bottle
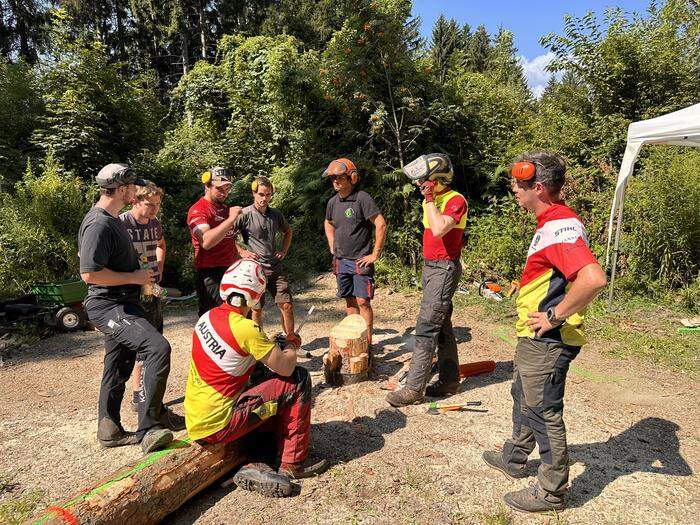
x: 146, y: 289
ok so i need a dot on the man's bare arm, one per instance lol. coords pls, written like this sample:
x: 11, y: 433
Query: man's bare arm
x: 281, y: 361
x: 330, y: 233
x: 107, y: 277
x: 439, y: 224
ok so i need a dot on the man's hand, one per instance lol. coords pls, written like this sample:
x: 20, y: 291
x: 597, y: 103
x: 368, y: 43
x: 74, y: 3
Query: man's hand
x: 292, y: 340
x: 233, y: 213
x: 426, y: 188
x: 367, y: 260
x: 280, y: 255
x: 247, y: 254
x: 539, y: 323
x: 144, y: 276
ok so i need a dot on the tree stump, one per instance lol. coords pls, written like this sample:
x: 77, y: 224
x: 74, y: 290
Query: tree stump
x: 146, y: 492
x: 347, y: 360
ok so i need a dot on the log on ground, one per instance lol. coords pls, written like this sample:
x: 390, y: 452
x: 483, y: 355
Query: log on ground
x: 146, y: 492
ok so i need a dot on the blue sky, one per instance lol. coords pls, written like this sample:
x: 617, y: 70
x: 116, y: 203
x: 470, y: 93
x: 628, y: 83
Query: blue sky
x: 528, y: 20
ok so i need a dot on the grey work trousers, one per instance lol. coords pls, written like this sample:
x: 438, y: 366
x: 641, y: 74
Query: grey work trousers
x: 539, y: 375
x: 434, y: 325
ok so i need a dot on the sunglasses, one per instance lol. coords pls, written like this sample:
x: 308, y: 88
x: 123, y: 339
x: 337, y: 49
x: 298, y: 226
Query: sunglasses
x: 338, y: 177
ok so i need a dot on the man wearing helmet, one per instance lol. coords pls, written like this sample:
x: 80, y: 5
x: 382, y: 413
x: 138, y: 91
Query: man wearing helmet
x: 222, y: 404
x: 444, y: 220
x: 211, y: 225
x: 350, y: 216
x: 560, y: 279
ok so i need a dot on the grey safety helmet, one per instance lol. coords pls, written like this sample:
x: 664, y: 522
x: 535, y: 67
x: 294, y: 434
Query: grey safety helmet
x: 432, y: 166
x: 118, y: 174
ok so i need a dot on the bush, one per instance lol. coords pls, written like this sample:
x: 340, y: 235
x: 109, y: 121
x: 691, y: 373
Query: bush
x: 40, y: 225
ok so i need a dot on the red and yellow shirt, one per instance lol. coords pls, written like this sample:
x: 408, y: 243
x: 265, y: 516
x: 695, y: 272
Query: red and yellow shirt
x: 557, y: 252
x: 225, y: 347
x: 449, y: 246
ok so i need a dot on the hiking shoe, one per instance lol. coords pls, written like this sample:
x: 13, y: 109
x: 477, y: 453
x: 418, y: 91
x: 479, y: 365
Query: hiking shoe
x: 111, y: 434
x: 404, y: 397
x: 259, y: 477
x: 533, y: 499
x: 495, y: 460
x: 155, y: 439
x: 300, y: 472
x: 171, y: 420
x: 442, y: 388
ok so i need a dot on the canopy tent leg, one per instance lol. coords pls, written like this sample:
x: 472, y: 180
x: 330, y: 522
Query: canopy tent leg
x: 616, y: 249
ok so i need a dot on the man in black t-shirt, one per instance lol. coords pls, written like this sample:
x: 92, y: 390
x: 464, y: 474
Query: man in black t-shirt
x: 109, y: 264
x: 350, y: 216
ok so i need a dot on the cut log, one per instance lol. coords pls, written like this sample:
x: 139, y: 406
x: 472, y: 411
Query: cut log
x: 148, y: 491
x: 347, y: 359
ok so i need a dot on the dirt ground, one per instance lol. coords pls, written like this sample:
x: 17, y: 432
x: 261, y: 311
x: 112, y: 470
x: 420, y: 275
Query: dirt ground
x: 633, y: 431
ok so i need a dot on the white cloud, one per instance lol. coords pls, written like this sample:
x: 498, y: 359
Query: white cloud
x: 535, y: 73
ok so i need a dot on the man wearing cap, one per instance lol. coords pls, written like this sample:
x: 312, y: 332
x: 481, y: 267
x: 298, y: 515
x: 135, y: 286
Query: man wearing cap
x: 109, y: 264
x: 211, y: 225
x: 444, y: 221
x: 561, y: 277
x: 259, y: 225
x: 350, y: 216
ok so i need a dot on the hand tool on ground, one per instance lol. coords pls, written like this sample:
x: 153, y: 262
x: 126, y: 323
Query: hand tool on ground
x: 435, y: 408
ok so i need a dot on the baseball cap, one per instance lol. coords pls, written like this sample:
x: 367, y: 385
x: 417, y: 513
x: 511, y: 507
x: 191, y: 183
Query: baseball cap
x: 118, y: 174
x: 221, y: 176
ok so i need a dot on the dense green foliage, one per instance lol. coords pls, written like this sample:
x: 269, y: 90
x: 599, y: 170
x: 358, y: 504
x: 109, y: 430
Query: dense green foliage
x: 281, y: 87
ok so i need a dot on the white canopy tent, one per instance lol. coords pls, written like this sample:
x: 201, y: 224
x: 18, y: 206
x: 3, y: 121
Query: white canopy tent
x: 680, y: 128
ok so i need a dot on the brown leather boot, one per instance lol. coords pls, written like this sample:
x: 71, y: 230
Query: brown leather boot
x: 404, y: 397
x: 533, y: 499
x: 494, y: 459
x: 300, y: 472
x: 110, y: 434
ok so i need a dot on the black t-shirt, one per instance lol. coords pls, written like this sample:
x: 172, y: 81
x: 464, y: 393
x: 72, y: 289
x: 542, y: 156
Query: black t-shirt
x: 104, y: 242
x: 353, y: 229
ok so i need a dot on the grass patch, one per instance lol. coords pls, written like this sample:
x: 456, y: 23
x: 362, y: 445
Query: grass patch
x: 496, y: 516
x: 16, y: 510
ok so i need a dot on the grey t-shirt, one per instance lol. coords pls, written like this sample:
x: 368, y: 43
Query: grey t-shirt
x: 353, y: 229
x: 145, y: 239
x: 103, y: 242
x: 259, y: 232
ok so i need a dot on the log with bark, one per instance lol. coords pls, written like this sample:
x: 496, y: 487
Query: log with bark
x: 347, y: 360
x: 146, y: 492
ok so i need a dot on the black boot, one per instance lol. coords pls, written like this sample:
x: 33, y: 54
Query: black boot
x: 259, y: 477
x: 111, y: 434
x: 494, y: 459
x: 442, y: 388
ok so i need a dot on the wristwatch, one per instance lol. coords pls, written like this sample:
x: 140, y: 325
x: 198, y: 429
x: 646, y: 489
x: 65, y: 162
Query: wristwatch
x: 552, y: 317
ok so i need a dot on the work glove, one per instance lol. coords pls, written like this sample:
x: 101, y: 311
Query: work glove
x: 426, y: 188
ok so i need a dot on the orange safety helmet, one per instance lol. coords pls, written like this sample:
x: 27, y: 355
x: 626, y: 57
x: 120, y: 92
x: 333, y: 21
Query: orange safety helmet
x: 342, y: 166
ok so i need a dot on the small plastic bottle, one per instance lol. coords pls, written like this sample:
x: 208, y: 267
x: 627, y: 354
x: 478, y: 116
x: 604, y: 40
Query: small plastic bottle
x: 146, y: 289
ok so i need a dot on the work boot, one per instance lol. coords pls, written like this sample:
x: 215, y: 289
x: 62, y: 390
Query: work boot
x: 111, y: 434
x: 171, y: 420
x: 494, y: 459
x: 155, y: 439
x: 533, y: 499
x: 404, y: 397
x: 259, y: 477
x: 442, y: 388
x: 300, y: 472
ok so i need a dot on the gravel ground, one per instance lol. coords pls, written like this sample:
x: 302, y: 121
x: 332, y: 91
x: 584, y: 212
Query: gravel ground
x: 633, y: 431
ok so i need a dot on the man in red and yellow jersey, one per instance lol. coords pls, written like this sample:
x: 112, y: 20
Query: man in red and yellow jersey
x: 444, y: 220
x: 561, y: 277
x: 221, y: 403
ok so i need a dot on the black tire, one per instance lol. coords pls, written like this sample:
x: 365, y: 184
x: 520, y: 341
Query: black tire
x: 69, y: 319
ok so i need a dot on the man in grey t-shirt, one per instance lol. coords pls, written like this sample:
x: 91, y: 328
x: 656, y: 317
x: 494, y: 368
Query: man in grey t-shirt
x: 259, y: 225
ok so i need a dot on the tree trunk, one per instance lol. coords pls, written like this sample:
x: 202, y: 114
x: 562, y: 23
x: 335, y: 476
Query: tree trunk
x: 146, y: 492
x: 347, y: 360
x: 202, y: 29
x: 185, y: 50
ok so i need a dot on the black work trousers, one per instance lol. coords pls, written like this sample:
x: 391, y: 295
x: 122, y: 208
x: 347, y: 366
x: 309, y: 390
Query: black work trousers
x: 434, y: 325
x: 206, y: 284
x: 129, y: 336
x: 539, y: 376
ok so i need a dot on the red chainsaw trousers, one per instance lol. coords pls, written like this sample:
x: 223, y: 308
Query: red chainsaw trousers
x: 281, y: 405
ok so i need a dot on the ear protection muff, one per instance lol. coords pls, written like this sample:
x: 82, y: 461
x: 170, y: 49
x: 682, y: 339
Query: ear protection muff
x: 206, y: 177
x: 523, y: 170
x: 254, y: 186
